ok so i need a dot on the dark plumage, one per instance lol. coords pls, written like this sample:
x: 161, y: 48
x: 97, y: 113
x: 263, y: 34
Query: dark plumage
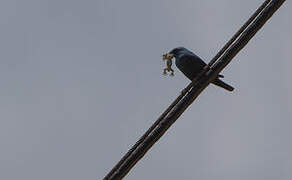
x: 190, y: 65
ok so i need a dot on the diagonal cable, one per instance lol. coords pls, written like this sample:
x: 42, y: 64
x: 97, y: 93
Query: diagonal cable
x: 127, y: 162
x: 235, y: 36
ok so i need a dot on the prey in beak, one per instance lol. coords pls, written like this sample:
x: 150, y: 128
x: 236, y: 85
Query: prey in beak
x: 168, y: 58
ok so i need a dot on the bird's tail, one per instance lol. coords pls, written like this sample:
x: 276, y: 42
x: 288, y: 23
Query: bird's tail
x: 222, y: 84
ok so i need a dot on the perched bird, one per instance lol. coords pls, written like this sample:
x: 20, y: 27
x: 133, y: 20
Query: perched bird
x: 191, y: 65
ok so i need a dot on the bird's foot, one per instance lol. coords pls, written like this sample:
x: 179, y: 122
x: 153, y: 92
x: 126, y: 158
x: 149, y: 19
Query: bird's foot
x: 184, y: 91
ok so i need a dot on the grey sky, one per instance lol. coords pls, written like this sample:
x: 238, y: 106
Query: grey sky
x: 81, y: 81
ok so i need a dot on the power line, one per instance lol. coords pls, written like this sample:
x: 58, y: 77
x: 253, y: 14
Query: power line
x: 192, y: 91
x: 236, y: 35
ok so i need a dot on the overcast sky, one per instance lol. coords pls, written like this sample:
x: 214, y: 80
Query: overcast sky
x: 81, y: 81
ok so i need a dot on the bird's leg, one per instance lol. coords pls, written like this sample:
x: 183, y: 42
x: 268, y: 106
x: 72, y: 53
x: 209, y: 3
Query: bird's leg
x: 184, y: 91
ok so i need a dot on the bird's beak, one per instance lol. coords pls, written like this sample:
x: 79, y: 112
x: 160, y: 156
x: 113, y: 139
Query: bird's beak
x: 167, y: 56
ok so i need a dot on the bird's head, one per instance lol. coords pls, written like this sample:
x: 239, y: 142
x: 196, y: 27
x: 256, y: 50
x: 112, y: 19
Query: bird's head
x: 175, y: 53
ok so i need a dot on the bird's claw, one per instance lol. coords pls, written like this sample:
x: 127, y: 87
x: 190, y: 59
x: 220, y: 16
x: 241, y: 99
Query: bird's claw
x: 184, y: 91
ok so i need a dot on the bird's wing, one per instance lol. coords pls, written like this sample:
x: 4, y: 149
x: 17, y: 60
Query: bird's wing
x: 190, y: 65
x: 193, y: 61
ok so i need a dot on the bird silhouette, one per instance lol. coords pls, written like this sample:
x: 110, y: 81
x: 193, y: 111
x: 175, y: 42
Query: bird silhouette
x: 191, y: 65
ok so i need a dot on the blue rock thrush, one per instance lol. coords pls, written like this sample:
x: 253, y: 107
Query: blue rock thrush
x: 190, y: 65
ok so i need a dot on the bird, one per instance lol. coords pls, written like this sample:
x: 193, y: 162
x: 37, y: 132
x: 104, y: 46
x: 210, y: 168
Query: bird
x: 191, y: 65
